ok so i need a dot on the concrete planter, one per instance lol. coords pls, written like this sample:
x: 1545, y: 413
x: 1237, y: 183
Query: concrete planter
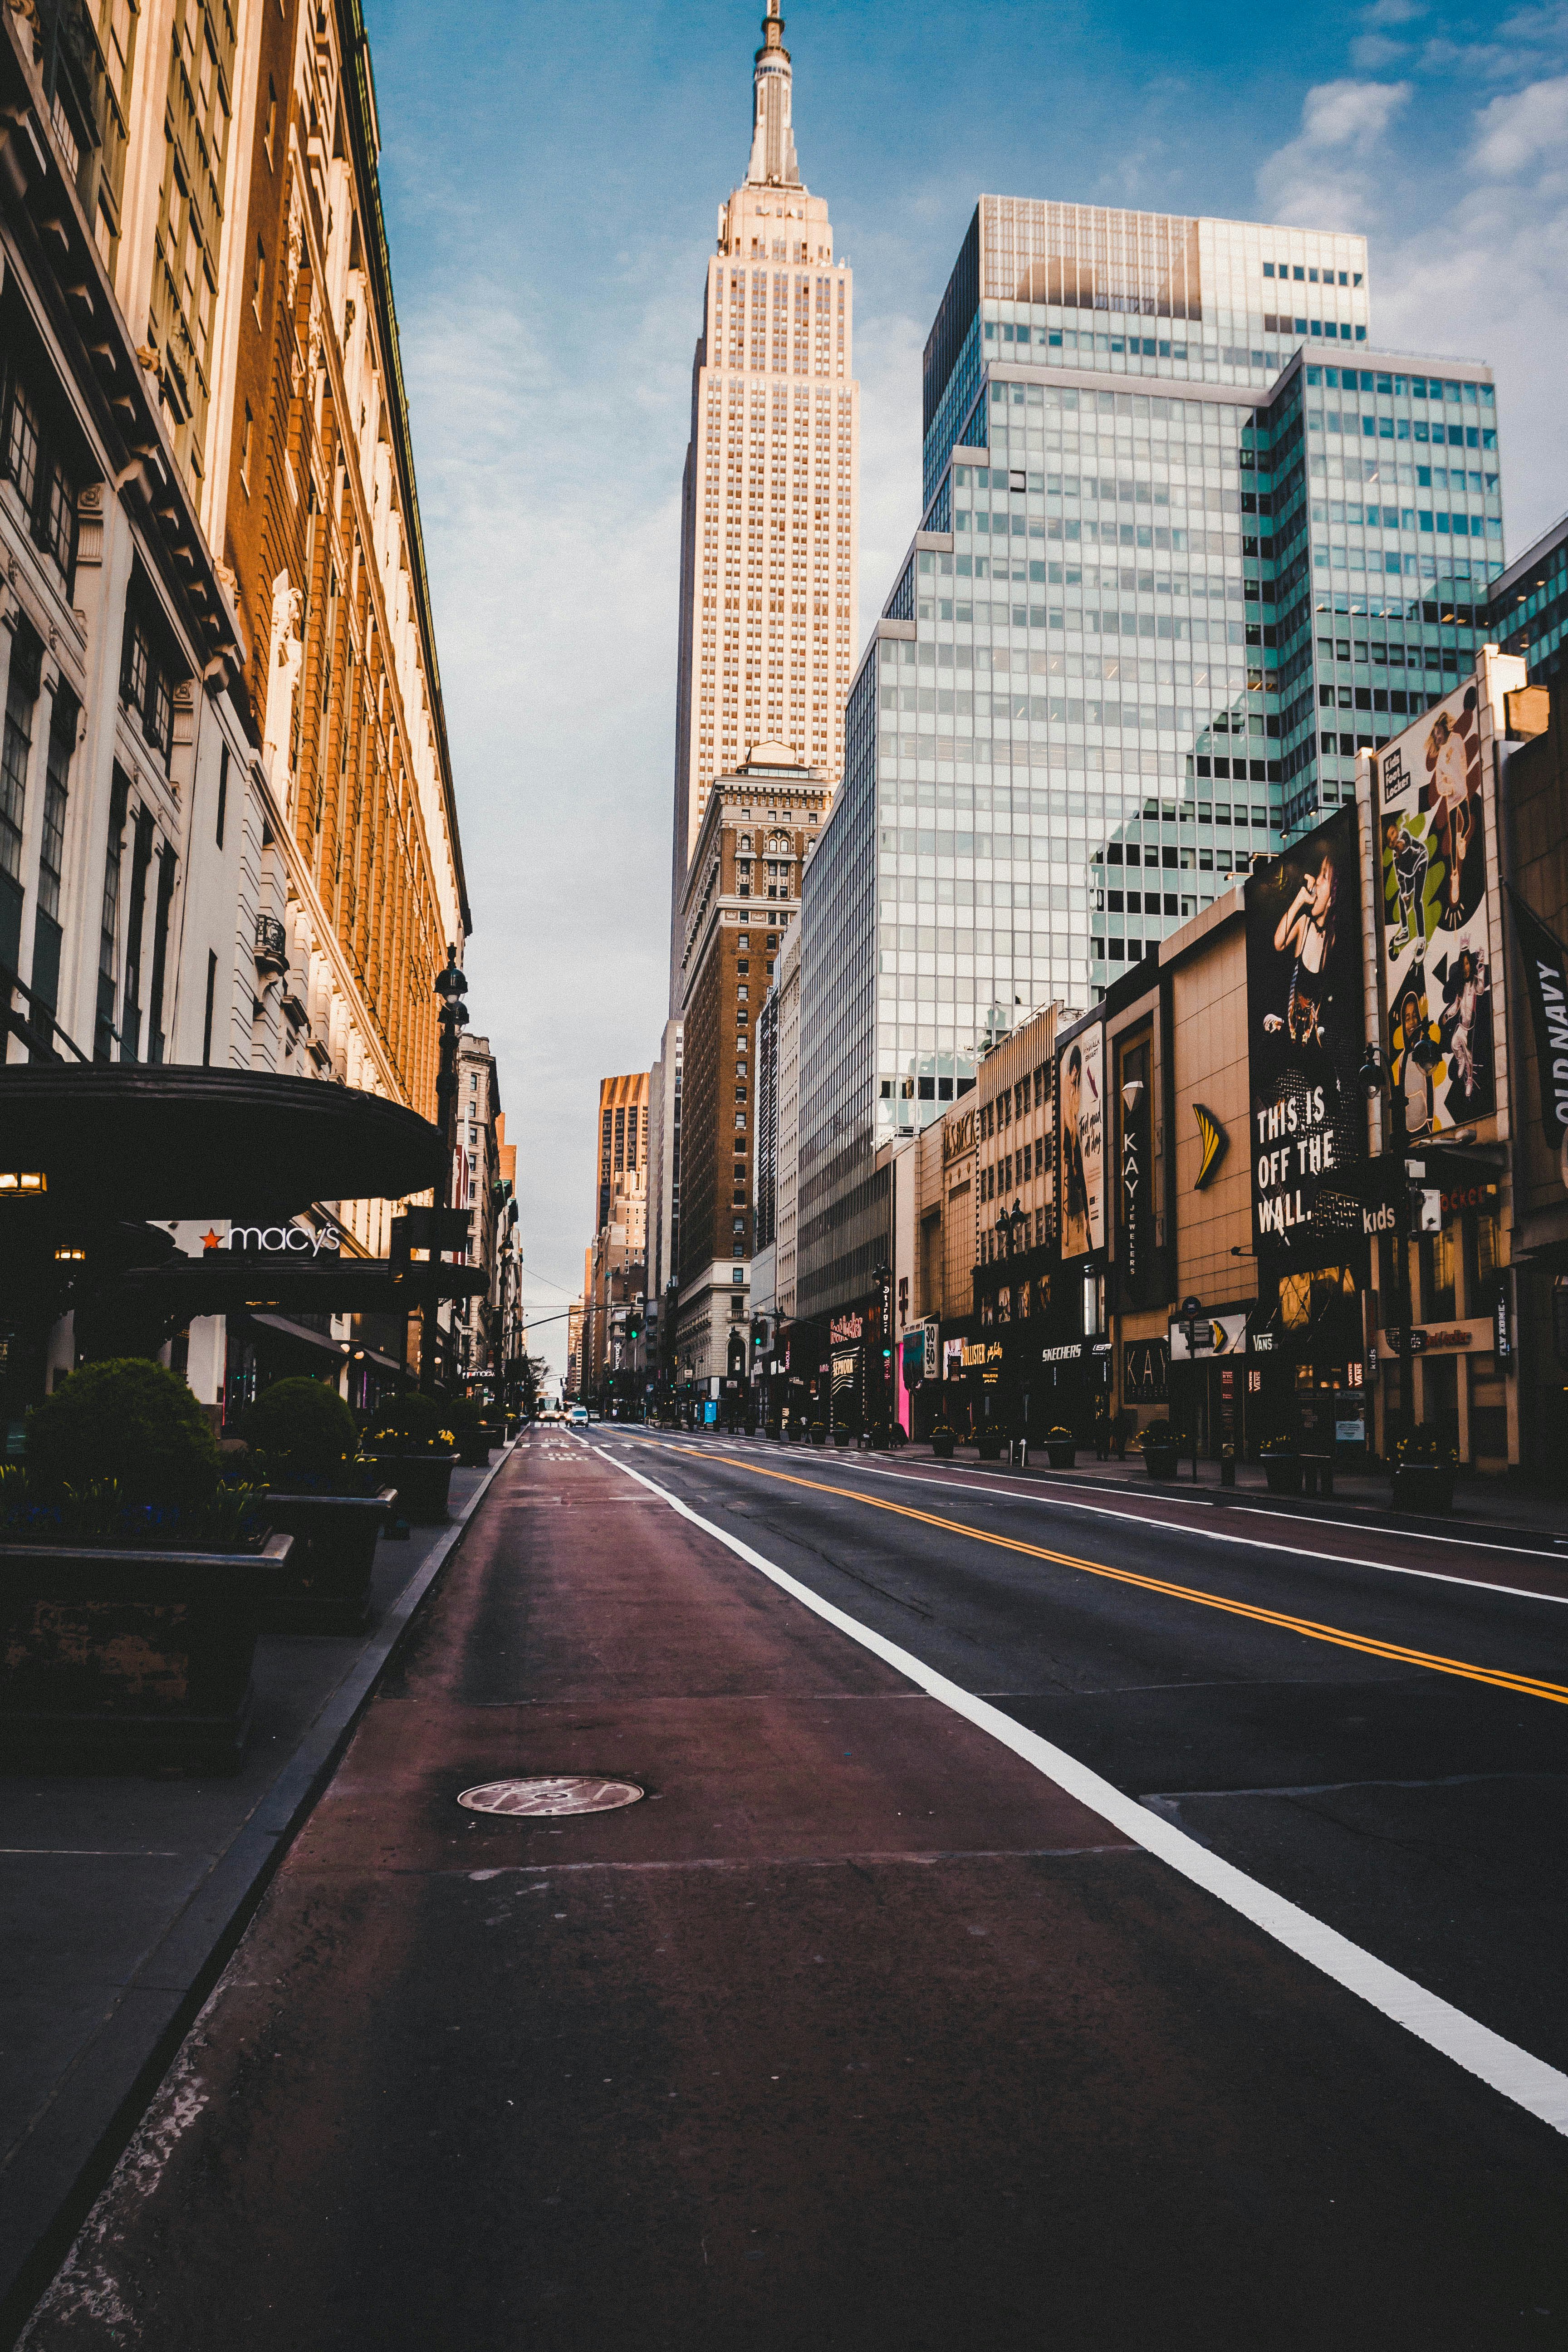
x: 124, y: 1658
x: 1283, y: 1472
x: 842, y: 1437
x: 1160, y: 1461
x: 422, y: 1481
x: 1061, y: 1453
x: 326, y: 1587
x: 942, y: 1446
x: 1423, y: 1486
x: 988, y: 1445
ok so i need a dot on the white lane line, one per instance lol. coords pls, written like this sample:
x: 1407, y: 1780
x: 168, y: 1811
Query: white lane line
x: 1052, y: 1496
x: 1413, y: 1535
x: 1526, y: 2081
x: 984, y: 1482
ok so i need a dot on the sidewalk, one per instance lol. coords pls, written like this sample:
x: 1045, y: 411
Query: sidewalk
x: 1487, y: 1503
x: 121, y: 1897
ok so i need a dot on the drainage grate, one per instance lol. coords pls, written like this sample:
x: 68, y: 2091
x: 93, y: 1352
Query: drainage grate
x: 568, y: 1793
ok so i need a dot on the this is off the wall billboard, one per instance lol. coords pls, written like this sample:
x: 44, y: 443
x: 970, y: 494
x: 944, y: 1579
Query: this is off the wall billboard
x: 1435, y: 942
x: 1306, y: 1036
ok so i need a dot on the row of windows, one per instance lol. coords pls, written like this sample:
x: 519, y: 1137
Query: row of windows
x: 1461, y: 391
x: 34, y: 462
x: 146, y: 681
x: 1309, y: 276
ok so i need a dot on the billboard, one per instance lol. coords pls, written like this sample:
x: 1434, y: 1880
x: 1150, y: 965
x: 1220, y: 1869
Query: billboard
x: 1135, y: 1218
x: 1436, y: 945
x: 1207, y: 1335
x: 1081, y: 1143
x: 1546, y: 983
x: 1306, y: 1036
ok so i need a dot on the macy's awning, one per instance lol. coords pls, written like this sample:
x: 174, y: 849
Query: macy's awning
x: 222, y: 1284
x: 119, y: 1141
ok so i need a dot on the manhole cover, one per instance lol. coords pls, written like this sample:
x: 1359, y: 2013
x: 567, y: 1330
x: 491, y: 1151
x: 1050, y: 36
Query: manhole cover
x: 569, y: 1794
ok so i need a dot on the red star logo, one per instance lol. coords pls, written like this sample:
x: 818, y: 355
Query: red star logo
x: 210, y: 1240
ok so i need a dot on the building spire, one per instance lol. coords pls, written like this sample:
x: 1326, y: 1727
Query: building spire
x: 773, y: 162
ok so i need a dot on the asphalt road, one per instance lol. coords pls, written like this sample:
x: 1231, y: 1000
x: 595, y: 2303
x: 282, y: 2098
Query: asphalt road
x: 863, y: 2030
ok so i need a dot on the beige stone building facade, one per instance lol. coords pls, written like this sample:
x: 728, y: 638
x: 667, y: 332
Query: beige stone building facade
x: 227, y: 821
x: 740, y: 903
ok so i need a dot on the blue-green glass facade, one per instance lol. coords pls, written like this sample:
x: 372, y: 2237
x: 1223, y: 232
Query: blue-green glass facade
x: 1165, y: 584
x: 1528, y: 612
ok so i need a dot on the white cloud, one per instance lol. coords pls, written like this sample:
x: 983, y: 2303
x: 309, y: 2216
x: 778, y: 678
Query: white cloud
x: 550, y: 466
x: 1324, y: 178
x: 1468, y: 211
x: 1373, y: 52
x: 1514, y: 130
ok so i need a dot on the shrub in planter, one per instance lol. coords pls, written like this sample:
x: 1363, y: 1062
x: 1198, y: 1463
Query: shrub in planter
x: 412, y: 1438
x: 1162, y: 1449
x: 303, y: 1435
x: 989, y: 1441
x: 1423, y: 1467
x: 898, y: 1434
x: 467, y: 1422
x: 128, y: 1422
x: 127, y: 1629
x: 300, y: 1431
x: 100, y: 1513
x: 942, y: 1442
x: 1061, y: 1448
x: 411, y: 1423
x: 819, y: 1433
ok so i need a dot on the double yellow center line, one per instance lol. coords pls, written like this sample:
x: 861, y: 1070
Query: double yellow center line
x: 1528, y: 1685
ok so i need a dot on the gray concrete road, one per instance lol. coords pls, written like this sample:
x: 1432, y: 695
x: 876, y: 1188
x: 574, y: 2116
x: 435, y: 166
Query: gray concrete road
x: 861, y: 2030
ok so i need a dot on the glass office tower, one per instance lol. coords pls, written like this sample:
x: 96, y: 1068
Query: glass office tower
x: 1165, y: 535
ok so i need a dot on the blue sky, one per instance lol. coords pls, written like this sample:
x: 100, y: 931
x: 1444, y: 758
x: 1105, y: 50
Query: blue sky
x: 552, y: 176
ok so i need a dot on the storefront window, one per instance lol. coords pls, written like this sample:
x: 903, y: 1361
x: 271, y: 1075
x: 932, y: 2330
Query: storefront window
x: 1305, y: 1298
x: 1439, y: 1273
x: 1480, y: 1239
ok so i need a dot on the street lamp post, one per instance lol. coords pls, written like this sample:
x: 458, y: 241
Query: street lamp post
x: 451, y: 987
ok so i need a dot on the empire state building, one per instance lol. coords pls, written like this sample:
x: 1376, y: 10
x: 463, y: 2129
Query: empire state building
x: 769, y: 554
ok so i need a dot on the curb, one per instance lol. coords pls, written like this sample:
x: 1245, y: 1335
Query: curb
x: 102, y: 2102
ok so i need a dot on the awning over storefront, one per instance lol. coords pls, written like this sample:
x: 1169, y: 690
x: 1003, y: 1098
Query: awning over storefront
x: 119, y: 1141
x: 222, y: 1284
